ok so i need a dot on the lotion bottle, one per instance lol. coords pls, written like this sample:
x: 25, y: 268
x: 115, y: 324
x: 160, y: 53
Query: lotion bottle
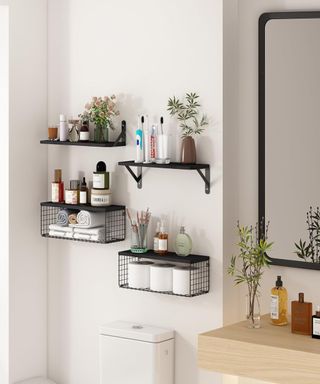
x: 316, y: 324
x: 63, y: 128
x: 183, y: 245
x: 163, y: 239
x: 279, y: 304
x: 301, y: 316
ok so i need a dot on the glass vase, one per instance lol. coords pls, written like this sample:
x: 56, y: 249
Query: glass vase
x: 253, y: 310
x: 139, y: 239
x: 101, y: 133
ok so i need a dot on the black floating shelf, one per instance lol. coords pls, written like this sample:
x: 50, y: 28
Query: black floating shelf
x: 198, y: 268
x: 84, y: 143
x: 113, y: 217
x: 86, y: 207
x: 119, y: 142
x: 182, y: 166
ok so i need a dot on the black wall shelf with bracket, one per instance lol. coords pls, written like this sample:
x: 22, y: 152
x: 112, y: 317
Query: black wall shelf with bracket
x: 119, y: 142
x: 182, y: 166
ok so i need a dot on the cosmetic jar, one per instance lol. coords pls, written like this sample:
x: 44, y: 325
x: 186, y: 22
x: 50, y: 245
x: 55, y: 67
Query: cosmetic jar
x: 71, y: 196
x: 100, y: 197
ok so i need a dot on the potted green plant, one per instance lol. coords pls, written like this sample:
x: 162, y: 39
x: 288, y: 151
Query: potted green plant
x: 248, y: 266
x: 100, y: 111
x: 191, y: 124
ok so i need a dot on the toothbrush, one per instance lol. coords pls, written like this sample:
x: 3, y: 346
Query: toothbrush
x: 146, y: 141
x: 161, y: 125
x: 139, y: 141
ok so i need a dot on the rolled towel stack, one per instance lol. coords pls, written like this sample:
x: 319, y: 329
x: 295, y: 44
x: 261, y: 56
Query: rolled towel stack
x: 88, y: 219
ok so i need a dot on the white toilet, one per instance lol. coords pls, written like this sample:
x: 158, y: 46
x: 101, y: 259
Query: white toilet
x: 136, y: 354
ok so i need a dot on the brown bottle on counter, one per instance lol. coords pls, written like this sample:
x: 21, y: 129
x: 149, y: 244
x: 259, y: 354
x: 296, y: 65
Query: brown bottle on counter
x: 301, y: 316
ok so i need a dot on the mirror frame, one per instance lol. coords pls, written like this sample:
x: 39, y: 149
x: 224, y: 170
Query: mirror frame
x: 263, y: 20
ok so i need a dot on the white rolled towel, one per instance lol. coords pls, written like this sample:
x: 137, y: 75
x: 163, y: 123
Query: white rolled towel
x: 88, y: 219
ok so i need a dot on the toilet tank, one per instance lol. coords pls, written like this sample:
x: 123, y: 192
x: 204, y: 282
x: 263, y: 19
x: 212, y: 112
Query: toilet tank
x: 131, y: 353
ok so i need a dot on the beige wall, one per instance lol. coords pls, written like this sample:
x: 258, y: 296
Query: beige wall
x: 246, y: 36
x: 28, y: 172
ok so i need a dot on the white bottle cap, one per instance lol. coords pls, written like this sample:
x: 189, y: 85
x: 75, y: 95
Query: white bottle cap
x: 63, y: 118
x: 162, y: 227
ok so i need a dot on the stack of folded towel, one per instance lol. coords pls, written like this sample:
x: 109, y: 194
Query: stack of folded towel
x: 56, y: 230
x: 83, y: 226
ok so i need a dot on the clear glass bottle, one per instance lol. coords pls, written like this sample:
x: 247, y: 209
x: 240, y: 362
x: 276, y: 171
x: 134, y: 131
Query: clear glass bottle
x: 163, y: 240
x: 183, y: 244
x: 156, y: 238
x: 279, y: 304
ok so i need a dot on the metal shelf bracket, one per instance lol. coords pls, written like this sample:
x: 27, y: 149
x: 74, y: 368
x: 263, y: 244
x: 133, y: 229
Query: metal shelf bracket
x: 206, y: 178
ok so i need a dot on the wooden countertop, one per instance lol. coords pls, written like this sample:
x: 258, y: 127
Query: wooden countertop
x: 271, y: 353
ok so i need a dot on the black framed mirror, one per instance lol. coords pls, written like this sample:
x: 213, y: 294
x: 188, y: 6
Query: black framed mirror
x: 289, y: 135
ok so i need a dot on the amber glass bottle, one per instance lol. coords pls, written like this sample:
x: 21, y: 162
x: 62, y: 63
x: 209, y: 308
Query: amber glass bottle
x: 279, y: 304
x: 301, y: 316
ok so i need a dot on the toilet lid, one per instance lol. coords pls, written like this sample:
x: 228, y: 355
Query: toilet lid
x: 136, y: 331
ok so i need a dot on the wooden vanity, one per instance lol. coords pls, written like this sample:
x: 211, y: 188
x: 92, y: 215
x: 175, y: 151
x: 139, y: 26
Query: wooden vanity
x: 270, y: 353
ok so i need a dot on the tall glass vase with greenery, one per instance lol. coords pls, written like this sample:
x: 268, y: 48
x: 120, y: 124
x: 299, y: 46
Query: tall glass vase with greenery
x: 248, y: 266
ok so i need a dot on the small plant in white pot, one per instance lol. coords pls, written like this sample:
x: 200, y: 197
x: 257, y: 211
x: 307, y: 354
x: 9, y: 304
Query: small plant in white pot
x: 248, y: 266
x: 191, y: 124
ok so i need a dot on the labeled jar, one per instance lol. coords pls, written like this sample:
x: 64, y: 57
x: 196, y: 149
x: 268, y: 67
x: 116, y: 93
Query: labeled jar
x: 71, y: 196
x: 100, y: 197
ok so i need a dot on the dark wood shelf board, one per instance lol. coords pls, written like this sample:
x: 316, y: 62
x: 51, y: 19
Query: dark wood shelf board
x: 170, y: 257
x: 84, y: 143
x: 86, y: 207
x: 172, y: 165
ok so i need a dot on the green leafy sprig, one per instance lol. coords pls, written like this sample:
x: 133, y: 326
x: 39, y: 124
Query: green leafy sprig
x: 310, y: 252
x: 188, y: 114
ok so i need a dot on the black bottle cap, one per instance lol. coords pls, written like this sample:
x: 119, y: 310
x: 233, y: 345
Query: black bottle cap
x: 101, y: 166
x: 161, y: 120
x: 279, y: 282
x: 142, y: 119
x: 83, y: 184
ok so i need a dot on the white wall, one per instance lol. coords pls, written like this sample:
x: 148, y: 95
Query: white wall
x: 144, y: 51
x: 28, y: 172
x: 4, y: 194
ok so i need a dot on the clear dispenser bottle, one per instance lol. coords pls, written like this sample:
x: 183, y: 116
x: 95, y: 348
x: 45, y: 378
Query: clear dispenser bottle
x: 279, y: 304
x: 183, y: 244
